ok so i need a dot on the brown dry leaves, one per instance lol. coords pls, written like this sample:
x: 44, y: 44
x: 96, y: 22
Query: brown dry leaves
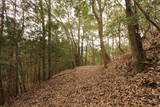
x: 92, y: 86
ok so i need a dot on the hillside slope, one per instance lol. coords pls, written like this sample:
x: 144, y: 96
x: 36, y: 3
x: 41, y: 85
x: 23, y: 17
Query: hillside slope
x: 93, y: 86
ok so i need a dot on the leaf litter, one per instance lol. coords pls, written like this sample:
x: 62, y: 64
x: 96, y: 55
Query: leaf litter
x: 94, y: 86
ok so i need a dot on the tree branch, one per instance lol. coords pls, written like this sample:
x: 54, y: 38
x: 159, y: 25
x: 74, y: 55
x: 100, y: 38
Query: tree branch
x: 147, y: 16
x: 105, y: 3
x: 94, y: 11
x: 68, y: 34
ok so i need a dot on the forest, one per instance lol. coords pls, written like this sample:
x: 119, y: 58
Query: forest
x: 80, y: 53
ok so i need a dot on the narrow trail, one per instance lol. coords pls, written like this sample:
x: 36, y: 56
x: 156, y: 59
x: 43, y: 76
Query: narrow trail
x: 90, y: 86
x: 66, y: 88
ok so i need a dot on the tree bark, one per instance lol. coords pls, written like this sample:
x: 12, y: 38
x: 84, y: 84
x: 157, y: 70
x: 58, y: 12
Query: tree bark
x: 43, y: 40
x: 105, y: 56
x: 82, y: 49
x: 135, y: 39
x: 86, y: 55
x: 49, y: 39
x: 99, y: 18
x: 119, y: 39
x: 93, y: 52
x: 78, y: 44
x: 2, y: 100
x: 15, y: 52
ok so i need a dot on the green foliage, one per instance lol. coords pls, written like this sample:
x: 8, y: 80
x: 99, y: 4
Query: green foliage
x: 25, y: 39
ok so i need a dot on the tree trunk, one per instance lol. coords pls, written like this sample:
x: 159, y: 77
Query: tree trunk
x: 135, y: 39
x: 39, y: 69
x: 82, y: 51
x: 99, y: 18
x: 43, y: 40
x: 78, y: 44
x: 49, y: 39
x: 93, y: 53
x: 2, y: 100
x: 119, y: 39
x: 86, y: 52
x: 15, y: 50
x: 105, y: 56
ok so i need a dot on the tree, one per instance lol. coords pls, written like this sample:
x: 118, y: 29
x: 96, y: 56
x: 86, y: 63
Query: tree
x: 2, y: 101
x: 134, y: 38
x: 43, y: 38
x: 99, y: 17
x: 49, y: 39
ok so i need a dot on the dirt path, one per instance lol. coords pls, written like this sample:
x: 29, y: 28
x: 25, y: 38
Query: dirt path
x: 64, y: 89
x: 91, y: 86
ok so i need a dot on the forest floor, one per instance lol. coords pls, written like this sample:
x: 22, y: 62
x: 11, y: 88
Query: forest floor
x: 94, y: 86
